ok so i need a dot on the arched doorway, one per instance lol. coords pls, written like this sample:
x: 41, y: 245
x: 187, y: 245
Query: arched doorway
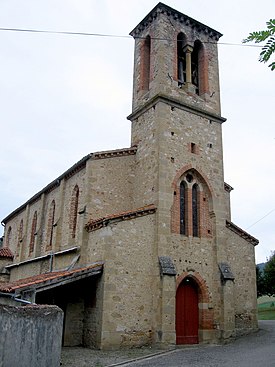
x: 187, y: 312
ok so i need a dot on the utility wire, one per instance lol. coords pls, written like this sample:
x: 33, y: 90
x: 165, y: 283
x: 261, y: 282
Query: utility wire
x: 109, y: 35
x: 271, y: 211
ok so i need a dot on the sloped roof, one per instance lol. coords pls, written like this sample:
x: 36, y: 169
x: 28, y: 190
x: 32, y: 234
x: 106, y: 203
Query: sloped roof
x: 95, y: 224
x: 242, y: 233
x: 5, y: 252
x: 52, y: 279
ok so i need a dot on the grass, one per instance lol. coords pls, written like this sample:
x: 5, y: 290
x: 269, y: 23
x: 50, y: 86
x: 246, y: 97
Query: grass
x: 266, y: 308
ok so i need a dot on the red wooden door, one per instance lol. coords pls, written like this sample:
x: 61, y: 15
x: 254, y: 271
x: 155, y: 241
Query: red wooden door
x: 187, y: 313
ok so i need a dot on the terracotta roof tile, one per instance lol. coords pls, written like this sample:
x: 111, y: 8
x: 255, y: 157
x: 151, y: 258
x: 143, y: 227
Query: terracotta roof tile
x: 40, y: 279
x: 6, y: 253
x: 95, y: 224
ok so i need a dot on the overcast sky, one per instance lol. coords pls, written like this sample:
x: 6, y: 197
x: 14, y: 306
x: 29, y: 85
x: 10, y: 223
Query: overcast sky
x: 64, y: 96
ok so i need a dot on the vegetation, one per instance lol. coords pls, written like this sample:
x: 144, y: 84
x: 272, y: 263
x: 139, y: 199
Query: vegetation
x: 269, y: 275
x: 267, y: 36
x: 266, y: 278
x: 266, y: 310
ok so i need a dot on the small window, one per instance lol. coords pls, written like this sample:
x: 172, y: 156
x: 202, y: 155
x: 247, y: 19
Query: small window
x: 193, y: 148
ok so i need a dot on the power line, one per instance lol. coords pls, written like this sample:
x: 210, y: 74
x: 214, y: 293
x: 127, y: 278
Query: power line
x: 62, y: 32
x: 68, y: 33
x: 271, y: 211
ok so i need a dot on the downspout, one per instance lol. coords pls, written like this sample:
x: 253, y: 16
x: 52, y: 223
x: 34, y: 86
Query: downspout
x: 13, y: 296
x: 3, y: 224
x: 51, y: 261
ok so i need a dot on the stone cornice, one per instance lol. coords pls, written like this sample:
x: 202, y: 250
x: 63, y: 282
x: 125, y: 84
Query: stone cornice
x: 227, y: 187
x: 242, y: 233
x: 173, y: 102
x: 161, y: 8
x: 95, y: 224
x: 115, y: 153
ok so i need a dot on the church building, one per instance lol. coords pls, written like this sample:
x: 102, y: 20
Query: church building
x: 136, y: 245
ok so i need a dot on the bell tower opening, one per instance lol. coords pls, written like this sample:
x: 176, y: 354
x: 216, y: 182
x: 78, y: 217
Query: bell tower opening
x: 145, y: 64
x: 181, y: 41
x: 172, y: 59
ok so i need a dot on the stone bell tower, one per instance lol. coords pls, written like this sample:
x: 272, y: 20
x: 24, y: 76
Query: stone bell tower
x: 175, y: 56
x: 176, y: 117
x: 177, y: 127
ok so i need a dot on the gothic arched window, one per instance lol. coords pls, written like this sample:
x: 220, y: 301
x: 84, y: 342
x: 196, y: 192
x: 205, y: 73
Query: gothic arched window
x: 192, y: 206
x: 182, y: 208
x: 33, y: 232
x: 74, y: 210
x: 195, y: 210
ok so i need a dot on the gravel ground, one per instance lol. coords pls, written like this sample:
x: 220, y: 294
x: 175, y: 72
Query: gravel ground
x: 256, y: 349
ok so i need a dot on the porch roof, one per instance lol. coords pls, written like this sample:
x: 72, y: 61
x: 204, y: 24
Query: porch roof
x: 53, y: 279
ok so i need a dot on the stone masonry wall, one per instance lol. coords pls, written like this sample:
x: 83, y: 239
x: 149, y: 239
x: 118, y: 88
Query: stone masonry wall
x: 30, y: 336
x: 130, y: 281
x: 110, y: 186
x: 241, y: 257
x: 163, y: 72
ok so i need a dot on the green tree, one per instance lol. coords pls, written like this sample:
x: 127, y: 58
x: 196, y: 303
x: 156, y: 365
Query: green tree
x: 261, y: 289
x: 269, y: 276
x: 267, y: 36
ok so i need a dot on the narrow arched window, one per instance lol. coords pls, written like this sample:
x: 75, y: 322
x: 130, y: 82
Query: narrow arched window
x: 199, y: 68
x: 145, y: 63
x: 183, y: 208
x: 181, y: 60
x: 20, y: 237
x: 8, y: 240
x: 195, y: 211
x: 74, y: 210
x: 33, y: 232
x: 50, y: 226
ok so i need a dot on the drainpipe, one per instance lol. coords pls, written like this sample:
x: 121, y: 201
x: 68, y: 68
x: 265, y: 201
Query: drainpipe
x: 2, y: 238
x: 13, y: 296
x: 51, y: 261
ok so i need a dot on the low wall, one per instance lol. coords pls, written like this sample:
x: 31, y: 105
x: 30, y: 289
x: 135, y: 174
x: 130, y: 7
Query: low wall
x: 30, y: 336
